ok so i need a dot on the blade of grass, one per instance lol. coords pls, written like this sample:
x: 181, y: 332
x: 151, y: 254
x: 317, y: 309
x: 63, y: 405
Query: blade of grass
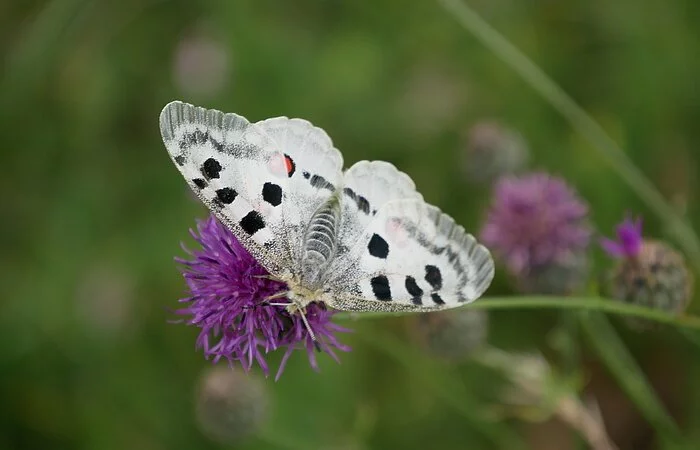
x: 565, y: 303
x: 580, y: 121
x: 613, y: 352
x: 444, y: 385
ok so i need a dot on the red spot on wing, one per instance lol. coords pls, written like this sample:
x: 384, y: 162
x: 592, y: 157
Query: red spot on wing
x: 289, y: 165
x: 277, y: 165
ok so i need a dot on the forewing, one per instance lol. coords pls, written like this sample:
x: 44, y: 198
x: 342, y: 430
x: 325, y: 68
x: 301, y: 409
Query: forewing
x: 238, y: 171
x: 315, y: 172
x: 411, y: 257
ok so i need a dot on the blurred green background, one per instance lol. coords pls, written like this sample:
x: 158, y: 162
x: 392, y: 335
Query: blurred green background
x: 94, y: 210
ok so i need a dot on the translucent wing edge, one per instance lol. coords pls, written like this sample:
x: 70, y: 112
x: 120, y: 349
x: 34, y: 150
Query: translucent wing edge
x: 177, y: 114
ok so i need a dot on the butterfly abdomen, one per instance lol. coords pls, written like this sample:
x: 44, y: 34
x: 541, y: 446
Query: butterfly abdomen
x: 320, y: 243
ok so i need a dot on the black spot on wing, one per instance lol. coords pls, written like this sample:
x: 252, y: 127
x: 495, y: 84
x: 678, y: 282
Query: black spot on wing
x: 362, y: 203
x: 218, y: 146
x: 433, y: 276
x: 190, y: 139
x: 180, y: 160
x: 380, y: 287
x: 211, y: 169
x: 414, y: 290
x: 272, y: 194
x: 321, y: 183
x: 437, y: 299
x: 226, y: 195
x: 252, y: 222
x: 199, y: 137
x: 306, y: 174
x: 200, y: 183
x: 378, y: 247
x: 453, y: 256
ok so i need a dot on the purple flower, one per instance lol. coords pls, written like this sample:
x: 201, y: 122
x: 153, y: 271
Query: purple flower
x: 629, y: 239
x: 535, y: 221
x: 227, y: 292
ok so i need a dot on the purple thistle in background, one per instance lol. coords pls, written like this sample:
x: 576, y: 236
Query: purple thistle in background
x: 629, y: 243
x: 648, y: 272
x: 228, y: 288
x: 537, y: 226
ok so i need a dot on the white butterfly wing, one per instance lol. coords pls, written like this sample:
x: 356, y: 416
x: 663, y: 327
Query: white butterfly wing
x: 411, y: 257
x: 263, y: 180
x: 367, y: 186
x: 316, y: 175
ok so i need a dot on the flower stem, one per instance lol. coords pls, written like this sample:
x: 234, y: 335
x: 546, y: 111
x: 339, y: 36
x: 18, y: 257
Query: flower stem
x: 580, y: 120
x: 571, y: 303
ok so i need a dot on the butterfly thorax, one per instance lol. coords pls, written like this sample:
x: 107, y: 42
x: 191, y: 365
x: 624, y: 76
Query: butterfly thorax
x: 320, y: 244
x: 300, y: 297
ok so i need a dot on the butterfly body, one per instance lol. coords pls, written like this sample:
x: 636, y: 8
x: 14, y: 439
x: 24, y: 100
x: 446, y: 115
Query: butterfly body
x: 362, y: 239
x: 320, y: 243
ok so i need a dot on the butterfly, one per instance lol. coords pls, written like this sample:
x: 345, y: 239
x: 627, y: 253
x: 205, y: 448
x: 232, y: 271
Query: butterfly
x: 358, y: 240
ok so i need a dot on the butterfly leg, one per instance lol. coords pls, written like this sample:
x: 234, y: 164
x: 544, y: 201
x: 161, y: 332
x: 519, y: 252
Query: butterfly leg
x: 294, y: 307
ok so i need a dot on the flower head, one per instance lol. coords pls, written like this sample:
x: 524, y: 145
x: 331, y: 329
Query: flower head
x: 629, y: 243
x: 535, y: 221
x: 650, y: 273
x: 227, y: 292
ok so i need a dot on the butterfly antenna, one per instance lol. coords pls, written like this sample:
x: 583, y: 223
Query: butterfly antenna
x: 308, y: 327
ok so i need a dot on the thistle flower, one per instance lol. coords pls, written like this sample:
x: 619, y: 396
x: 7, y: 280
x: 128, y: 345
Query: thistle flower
x: 649, y: 273
x: 629, y: 244
x: 230, y: 406
x: 537, y: 226
x: 227, y: 289
x: 451, y: 335
x: 493, y: 150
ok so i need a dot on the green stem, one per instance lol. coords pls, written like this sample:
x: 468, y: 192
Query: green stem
x: 630, y: 377
x: 571, y: 303
x: 580, y: 121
